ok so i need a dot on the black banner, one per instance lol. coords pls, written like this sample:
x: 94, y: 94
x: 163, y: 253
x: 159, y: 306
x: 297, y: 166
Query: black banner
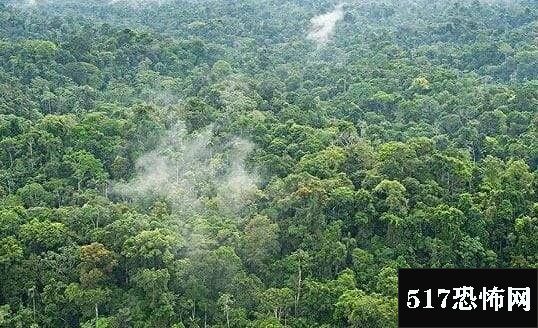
x: 467, y: 298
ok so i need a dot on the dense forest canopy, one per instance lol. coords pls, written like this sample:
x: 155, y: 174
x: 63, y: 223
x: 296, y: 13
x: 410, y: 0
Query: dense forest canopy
x: 259, y: 163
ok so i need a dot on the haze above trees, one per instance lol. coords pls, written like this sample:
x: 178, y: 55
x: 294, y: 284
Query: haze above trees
x: 258, y: 163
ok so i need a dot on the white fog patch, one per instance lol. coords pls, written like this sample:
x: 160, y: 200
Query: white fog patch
x: 188, y: 171
x: 322, y: 26
x: 28, y: 3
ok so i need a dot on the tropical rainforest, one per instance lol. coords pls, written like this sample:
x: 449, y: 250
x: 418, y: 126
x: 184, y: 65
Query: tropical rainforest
x: 259, y: 163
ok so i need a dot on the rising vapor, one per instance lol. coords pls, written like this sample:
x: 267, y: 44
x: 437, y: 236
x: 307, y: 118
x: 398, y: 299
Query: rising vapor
x: 322, y: 26
x: 187, y: 170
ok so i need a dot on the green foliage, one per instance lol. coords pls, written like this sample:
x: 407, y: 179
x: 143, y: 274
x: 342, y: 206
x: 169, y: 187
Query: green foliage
x: 408, y: 139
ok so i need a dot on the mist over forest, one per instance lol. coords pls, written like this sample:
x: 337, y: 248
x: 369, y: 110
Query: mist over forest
x: 259, y: 163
